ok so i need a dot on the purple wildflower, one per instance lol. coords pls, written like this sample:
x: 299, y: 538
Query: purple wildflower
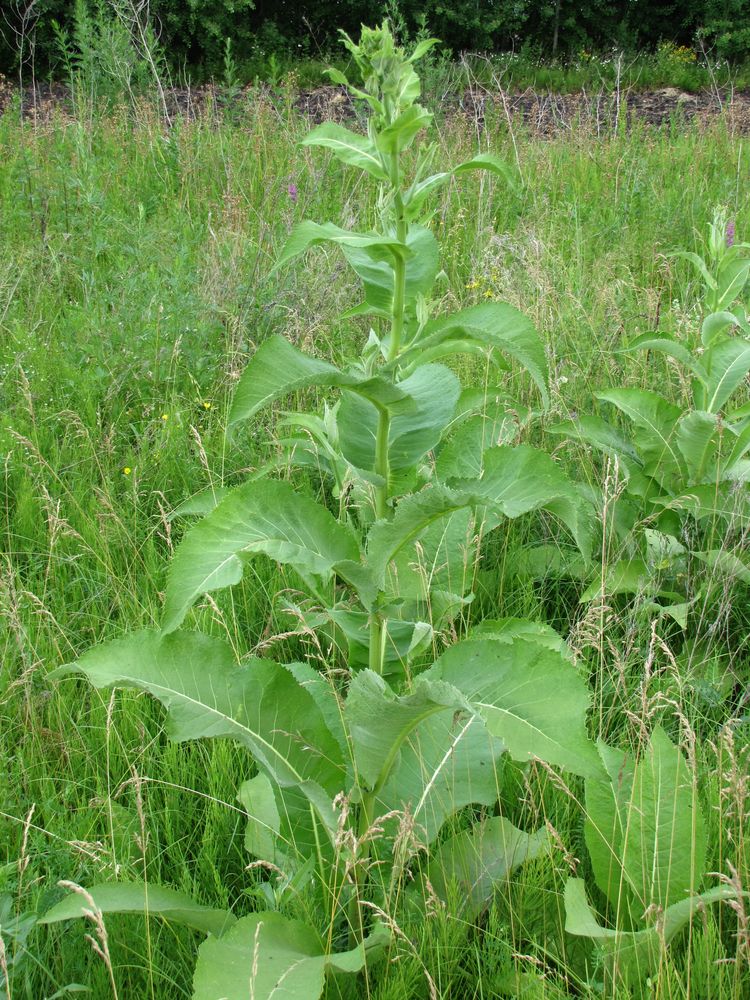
x: 292, y: 191
x: 730, y: 233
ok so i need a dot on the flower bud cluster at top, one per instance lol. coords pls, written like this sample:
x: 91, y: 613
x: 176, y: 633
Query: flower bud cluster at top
x: 387, y: 72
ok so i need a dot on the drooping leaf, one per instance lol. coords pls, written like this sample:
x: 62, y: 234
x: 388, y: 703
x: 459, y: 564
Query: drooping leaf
x: 420, y: 191
x: 715, y: 324
x: 308, y: 234
x: 145, y: 898
x: 446, y: 762
x: 664, y: 846
x: 672, y: 348
x: 202, y: 503
x: 349, y: 147
x: 509, y: 630
x: 629, y: 956
x: 278, y: 368
x: 476, y: 861
x: 268, y: 517
x: 530, y: 697
x: 266, y: 956
x: 724, y: 563
x: 493, y: 325
x: 425, y: 753
x: 208, y: 694
x: 628, y: 576
x: 401, y: 133
x: 596, y: 432
x: 434, y: 391
x: 521, y: 479
x: 379, y: 720
x: 413, y: 515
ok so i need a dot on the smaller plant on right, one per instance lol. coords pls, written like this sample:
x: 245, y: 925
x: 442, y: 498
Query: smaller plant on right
x: 681, y: 471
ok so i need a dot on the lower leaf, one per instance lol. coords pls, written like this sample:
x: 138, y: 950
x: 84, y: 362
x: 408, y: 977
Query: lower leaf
x: 267, y: 956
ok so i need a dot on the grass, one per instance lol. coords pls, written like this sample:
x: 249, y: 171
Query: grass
x: 134, y: 282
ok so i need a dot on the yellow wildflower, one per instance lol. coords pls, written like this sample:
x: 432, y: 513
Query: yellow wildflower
x: 127, y: 470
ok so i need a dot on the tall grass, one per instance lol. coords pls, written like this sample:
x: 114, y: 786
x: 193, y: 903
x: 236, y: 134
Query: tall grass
x: 134, y: 282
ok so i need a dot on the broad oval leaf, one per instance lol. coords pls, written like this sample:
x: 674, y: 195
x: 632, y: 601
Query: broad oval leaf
x: 266, y: 956
x: 476, y: 861
x: 664, y: 847
x: 378, y: 277
x: 630, y: 955
x: 530, y: 697
x: 145, y: 898
x: 278, y: 368
x: 657, y: 421
x: 425, y: 754
x: 434, y: 391
x: 268, y: 517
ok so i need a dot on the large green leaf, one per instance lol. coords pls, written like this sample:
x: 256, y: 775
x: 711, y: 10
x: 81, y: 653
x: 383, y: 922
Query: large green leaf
x: 493, y: 325
x: 425, y: 753
x: 530, y: 697
x: 665, y: 843
x: 728, y: 363
x: 656, y: 420
x: 278, y: 368
x: 379, y: 720
x: 434, y: 391
x: 470, y: 866
x: 596, y: 432
x: 378, y: 277
x: 308, y: 234
x: 521, y: 479
x: 629, y: 956
x: 145, y: 898
x: 269, y: 517
x: 672, y: 348
x: 206, y: 692
x: 266, y: 956
x: 401, y: 133
x: 413, y: 515
x: 349, y: 147
x: 698, y: 437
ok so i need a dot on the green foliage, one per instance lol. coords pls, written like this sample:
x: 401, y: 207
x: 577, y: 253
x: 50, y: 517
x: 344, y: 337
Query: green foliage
x: 341, y: 761
x: 646, y: 837
x: 682, y: 466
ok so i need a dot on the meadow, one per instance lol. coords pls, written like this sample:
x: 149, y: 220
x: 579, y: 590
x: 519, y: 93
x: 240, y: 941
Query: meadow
x: 135, y: 283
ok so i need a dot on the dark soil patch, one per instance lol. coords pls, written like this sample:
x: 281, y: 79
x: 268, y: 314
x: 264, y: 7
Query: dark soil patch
x: 544, y: 114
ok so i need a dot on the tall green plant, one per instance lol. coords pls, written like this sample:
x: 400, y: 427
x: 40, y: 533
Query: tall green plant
x: 683, y: 469
x: 358, y: 769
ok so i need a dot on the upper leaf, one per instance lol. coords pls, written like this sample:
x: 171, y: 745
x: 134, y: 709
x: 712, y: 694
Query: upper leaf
x: 664, y: 848
x: 261, y: 516
x: 434, y: 391
x: 478, y: 860
x: 492, y: 325
x: 350, y: 147
x: 308, y: 234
